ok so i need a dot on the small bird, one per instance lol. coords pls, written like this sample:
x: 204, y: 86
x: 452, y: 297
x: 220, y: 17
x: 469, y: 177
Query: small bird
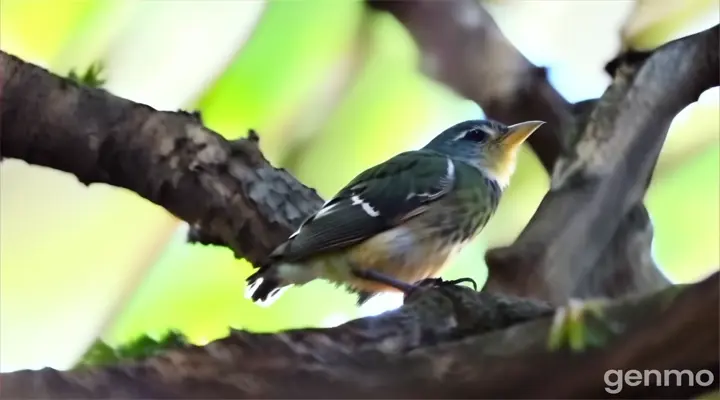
x: 401, y: 221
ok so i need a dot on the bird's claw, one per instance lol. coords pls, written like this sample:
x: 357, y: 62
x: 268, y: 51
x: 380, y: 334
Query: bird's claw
x: 570, y: 328
x: 408, y: 288
x: 436, y: 282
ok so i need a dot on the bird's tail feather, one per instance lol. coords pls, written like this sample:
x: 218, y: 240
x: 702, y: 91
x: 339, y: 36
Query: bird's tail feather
x: 262, y: 288
x: 363, y: 297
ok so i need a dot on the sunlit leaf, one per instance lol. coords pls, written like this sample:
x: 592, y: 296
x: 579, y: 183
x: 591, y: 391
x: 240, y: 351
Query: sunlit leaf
x: 93, y: 75
x: 100, y: 353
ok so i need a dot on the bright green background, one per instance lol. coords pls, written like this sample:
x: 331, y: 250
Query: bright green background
x: 77, y: 261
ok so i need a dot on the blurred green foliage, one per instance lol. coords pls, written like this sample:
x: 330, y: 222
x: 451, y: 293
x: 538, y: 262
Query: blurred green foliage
x: 713, y: 395
x: 576, y: 330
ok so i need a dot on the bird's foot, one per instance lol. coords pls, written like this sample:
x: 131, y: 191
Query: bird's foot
x: 408, y: 287
x: 437, y: 282
x: 570, y: 326
x: 404, y: 287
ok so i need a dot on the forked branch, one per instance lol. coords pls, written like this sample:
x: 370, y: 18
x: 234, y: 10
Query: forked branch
x: 462, y: 47
x: 596, y: 187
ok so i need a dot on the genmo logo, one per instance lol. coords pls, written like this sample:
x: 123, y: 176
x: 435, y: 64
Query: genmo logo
x: 616, y: 379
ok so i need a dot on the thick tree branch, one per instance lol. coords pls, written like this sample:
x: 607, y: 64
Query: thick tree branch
x: 626, y: 265
x: 606, y: 175
x: 673, y: 329
x: 226, y: 189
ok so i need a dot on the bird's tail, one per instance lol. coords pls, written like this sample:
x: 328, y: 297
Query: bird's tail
x: 263, y: 287
x: 363, y: 297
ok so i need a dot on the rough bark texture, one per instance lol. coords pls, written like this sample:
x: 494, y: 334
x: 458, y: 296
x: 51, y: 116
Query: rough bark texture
x: 589, y: 236
x: 625, y: 265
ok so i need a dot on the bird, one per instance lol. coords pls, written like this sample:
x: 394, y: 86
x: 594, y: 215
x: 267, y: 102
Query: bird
x: 400, y: 222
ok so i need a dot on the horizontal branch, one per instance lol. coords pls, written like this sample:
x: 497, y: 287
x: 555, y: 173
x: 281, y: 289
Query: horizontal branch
x: 598, y: 183
x: 228, y: 190
x: 478, y: 360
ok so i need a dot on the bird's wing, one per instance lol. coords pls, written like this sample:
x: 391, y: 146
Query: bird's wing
x: 376, y: 200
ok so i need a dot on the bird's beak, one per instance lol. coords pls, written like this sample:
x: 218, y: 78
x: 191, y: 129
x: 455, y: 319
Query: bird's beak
x: 518, y: 133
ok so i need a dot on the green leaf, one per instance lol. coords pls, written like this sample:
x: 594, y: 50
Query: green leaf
x: 100, y: 353
x: 558, y: 331
x: 576, y: 330
x: 580, y: 326
x: 91, y: 77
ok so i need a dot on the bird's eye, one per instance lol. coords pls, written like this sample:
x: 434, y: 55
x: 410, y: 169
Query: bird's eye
x: 476, y: 135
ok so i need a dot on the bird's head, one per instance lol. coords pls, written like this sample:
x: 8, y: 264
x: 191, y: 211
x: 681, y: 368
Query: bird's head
x: 488, y: 145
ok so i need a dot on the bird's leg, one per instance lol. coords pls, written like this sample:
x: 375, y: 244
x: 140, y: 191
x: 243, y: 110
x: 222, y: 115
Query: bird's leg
x: 378, y: 277
x: 442, y: 282
x: 405, y: 287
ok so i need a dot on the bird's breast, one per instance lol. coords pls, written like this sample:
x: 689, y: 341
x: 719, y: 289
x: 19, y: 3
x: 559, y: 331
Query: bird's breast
x: 424, y: 245
x: 404, y: 253
x: 459, y: 217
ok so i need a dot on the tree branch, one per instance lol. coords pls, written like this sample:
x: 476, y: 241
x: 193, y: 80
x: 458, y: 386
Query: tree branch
x: 626, y: 265
x: 228, y: 190
x: 605, y: 178
x: 401, y: 359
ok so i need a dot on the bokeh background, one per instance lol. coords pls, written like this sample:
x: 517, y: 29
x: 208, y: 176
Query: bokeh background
x: 332, y: 89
